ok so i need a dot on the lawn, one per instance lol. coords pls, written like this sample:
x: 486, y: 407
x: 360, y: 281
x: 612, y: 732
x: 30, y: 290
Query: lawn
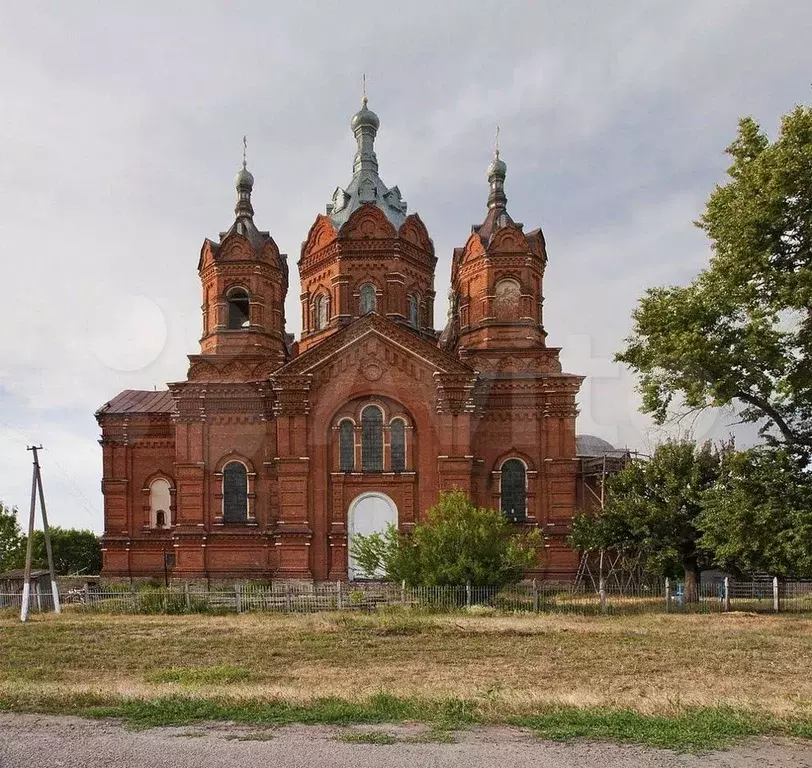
x: 678, y: 680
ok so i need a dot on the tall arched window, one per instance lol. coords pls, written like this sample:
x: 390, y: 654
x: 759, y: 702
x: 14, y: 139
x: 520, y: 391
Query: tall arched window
x: 321, y: 312
x: 159, y: 502
x: 235, y: 493
x: 238, y: 309
x: 397, y: 433
x: 367, y: 298
x: 372, y: 439
x: 414, y: 310
x: 514, y: 490
x: 346, y: 446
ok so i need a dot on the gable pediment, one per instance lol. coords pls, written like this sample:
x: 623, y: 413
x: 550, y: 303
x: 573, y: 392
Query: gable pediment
x: 387, y: 334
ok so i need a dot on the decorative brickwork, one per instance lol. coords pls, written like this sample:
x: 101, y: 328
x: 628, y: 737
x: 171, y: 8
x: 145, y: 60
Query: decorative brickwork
x: 264, y: 449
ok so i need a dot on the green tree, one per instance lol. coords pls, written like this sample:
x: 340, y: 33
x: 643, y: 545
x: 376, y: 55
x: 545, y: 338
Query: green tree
x: 758, y: 516
x: 458, y: 543
x: 74, y: 551
x: 741, y: 333
x: 12, y: 541
x: 652, y: 509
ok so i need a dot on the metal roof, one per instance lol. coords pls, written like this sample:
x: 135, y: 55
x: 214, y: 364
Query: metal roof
x: 140, y: 401
x: 366, y: 185
x: 592, y: 445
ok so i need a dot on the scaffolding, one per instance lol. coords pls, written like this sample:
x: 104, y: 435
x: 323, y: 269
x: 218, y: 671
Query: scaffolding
x: 610, y: 568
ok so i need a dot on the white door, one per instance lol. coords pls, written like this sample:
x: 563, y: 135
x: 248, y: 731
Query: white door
x: 369, y: 513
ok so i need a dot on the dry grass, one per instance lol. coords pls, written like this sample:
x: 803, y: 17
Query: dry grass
x: 654, y: 664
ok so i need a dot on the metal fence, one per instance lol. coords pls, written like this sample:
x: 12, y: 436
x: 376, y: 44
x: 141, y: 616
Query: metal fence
x: 652, y: 597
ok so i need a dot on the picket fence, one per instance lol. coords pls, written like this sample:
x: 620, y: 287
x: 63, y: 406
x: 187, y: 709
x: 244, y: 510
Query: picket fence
x: 612, y: 599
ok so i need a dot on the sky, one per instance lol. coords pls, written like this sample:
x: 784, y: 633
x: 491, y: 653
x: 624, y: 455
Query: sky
x: 122, y: 128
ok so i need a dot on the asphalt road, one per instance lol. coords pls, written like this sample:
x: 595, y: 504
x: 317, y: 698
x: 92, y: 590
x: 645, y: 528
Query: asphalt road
x: 34, y: 741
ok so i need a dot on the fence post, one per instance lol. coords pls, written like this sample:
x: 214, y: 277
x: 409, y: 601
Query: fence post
x: 87, y: 593
x: 667, y: 595
x: 602, y: 588
x: 776, y: 605
x: 288, y: 601
x: 403, y: 592
x: 726, y: 606
x: 38, y: 596
x: 467, y: 594
x: 339, y: 597
x: 238, y: 597
x: 187, y: 599
x: 536, y: 601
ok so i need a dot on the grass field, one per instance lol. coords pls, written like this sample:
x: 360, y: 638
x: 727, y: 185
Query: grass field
x: 683, y: 681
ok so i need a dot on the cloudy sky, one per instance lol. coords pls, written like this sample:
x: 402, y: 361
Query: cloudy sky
x: 121, y: 131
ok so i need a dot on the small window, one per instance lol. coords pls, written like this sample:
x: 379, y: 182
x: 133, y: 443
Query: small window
x: 346, y: 446
x: 514, y: 490
x: 414, y: 310
x: 235, y: 493
x: 238, y: 310
x: 159, y: 502
x: 320, y: 314
x: 397, y: 431
x: 367, y: 298
x: 372, y: 439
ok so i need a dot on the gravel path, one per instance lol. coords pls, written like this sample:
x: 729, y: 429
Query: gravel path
x: 39, y: 741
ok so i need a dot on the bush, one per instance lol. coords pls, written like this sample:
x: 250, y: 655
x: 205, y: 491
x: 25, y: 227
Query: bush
x: 458, y: 543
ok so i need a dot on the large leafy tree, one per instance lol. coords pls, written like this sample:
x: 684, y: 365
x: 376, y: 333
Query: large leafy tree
x: 458, y: 543
x: 758, y: 517
x: 12, y: 541
x: 652, y: 509
x: 741, y: 333
x: 75, y: 551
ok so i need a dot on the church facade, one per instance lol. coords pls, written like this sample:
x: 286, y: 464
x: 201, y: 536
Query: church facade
x: 273, y: 453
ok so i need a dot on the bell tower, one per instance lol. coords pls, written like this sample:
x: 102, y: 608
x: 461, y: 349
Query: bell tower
x: 495, y: 306
x: 244, y: 280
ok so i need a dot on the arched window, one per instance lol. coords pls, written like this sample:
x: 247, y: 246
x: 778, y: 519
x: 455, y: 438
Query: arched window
x: 397, y: 433
x: 159, y: 502
x: 372, y: 439
x: 320, y: 312
x: 238, y: 309
x: 514, y: 490
x: 414, y: 310
x: 367, y: 298
x: 235, y: 493
x: 346, y: 446
x: 506, y: 300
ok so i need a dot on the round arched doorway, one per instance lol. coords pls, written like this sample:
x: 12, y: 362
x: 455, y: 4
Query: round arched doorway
x: 369, y: 513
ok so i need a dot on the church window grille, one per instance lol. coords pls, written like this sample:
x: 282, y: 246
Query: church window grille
x: 398, y: 438
x: 367, y: 298
x: 514, y: 490
x: 235, y: 493
x: 238, y: 310
x: 372, y: 439
x: 346, y: 446
x: 414, y: 310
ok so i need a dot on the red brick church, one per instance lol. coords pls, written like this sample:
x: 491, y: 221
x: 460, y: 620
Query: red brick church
x: 273, y: 453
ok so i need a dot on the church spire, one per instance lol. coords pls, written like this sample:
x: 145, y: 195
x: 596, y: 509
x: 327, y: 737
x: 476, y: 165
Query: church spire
x: 496, y: 178
x: 366, y: 186
x: 244, y: 182
x: 365, y: 124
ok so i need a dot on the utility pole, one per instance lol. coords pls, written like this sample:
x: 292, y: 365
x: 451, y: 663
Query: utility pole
x: 36, y: 486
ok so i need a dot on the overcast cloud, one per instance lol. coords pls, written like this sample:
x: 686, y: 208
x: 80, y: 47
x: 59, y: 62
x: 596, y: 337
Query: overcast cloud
x: 121, y: 132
